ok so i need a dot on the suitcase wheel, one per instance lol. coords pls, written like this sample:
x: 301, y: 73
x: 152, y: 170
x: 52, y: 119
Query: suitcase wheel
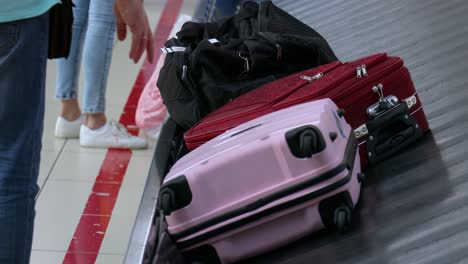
x: 342, y: 218
x: 205, y: 254
x: 341, y: 112
x: 308, y: 143
x: 174, y: 195
x: 305, y: 141
x: 361, y: 177
x: 166, y: 203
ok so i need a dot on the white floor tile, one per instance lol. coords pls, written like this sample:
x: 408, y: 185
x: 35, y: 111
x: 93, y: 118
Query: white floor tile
x: 123, y: 217
x: 49, y: 257
x: 109, y: 259
x: 78, y: 166
x: 50, y: 143
x: 58, y: 211
x: 146, y: 152
x: 52, y: 112
x: 137, y: 170
x: 73, y: 145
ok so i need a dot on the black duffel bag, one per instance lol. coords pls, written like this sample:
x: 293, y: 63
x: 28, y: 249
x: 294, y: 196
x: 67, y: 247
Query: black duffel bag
x: 209, y: 64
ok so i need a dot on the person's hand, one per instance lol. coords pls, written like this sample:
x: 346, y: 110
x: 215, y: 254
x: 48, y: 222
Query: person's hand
x: 132, y: 14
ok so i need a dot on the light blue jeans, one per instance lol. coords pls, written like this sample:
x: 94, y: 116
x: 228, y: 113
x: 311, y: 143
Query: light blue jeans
x: 23, y: 60
x: 93, y: 36
x: 213, y: 10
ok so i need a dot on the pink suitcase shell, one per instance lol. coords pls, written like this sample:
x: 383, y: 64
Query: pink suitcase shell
x: 265, y: 183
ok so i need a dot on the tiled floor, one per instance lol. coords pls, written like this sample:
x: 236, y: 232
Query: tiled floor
x: 68, y: 171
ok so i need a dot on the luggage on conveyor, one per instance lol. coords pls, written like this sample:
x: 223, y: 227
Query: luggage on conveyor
x: 376, y: 92
x: 209, y: 64
x: 263, y: 184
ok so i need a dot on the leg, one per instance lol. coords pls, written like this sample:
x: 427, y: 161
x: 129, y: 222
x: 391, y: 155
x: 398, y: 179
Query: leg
x: 213, y: 10
x: 23, y: 58
x: 97, y: 55
x: 68, y: 69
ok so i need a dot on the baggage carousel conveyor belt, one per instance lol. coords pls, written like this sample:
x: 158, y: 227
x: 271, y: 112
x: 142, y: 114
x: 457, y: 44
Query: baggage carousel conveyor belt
x: 414, y: 207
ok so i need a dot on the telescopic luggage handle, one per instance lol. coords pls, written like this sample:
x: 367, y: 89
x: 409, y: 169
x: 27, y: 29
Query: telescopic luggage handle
x: 390, y: 132
x: 391, y: 127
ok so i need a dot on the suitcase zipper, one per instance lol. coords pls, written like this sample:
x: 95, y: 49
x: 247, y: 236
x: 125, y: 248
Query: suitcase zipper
x: 312, y: 78
x: 347, y: 76
x: 361, y: 71
x: 246, y: 65
x: 368, y: 92
x: 334, y: 65
x: 184, y: 72
x: 378, y: 75
x: 364, y: 70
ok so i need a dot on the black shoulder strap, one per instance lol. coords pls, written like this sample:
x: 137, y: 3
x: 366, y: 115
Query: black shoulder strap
x: 248, y: 9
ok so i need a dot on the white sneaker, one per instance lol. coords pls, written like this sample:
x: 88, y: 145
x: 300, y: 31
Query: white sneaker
x: 111, y: 135
x: 68, y: 129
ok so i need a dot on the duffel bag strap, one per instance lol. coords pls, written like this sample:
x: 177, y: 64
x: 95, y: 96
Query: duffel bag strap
x: 182, y: 49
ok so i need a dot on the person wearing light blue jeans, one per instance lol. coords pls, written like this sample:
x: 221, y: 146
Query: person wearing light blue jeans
x: 92, y: 42
x: 213, y: 10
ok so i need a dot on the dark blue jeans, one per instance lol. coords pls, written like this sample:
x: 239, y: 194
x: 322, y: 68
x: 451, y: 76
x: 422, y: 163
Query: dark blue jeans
x: 23, y: 58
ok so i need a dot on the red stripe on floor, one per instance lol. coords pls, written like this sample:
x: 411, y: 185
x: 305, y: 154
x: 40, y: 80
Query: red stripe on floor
x: 89, y: 234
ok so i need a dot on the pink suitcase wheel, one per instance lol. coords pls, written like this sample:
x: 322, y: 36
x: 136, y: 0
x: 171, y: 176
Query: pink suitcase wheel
x: 341, y: 112
x: 167, y: 203
x: 305, y: 141
x: 174, y: 195
x: 361, y: 177
x: 342, y: 218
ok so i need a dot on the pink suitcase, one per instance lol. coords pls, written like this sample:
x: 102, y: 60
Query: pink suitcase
x: 264, y: 184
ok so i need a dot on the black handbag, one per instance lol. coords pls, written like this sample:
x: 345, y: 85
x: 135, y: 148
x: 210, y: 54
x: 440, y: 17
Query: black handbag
x: 60, y: 29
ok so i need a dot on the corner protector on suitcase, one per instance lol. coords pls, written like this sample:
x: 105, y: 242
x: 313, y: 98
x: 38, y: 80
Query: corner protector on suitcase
x: 174, y: 195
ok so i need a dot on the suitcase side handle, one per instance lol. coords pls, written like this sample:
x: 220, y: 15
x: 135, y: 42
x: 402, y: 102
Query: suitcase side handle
x: 391, y: 132
x: 305, y: 141
x: 174, y: 195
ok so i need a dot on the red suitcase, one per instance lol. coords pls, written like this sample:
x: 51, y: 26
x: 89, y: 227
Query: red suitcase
x: 376, y: 92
